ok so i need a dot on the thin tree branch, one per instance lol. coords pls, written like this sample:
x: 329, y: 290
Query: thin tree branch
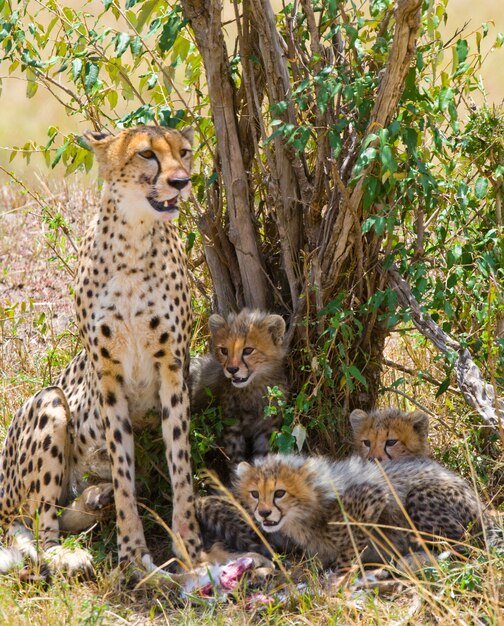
x: 478, y: 393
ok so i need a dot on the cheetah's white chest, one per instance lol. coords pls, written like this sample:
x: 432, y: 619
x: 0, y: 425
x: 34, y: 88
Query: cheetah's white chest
x: 132, y: 340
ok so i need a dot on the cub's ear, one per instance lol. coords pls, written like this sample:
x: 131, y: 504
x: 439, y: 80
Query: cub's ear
x: 357, y: 418
x: 96, y: 140
x: 420, y: 422
x: 216, y: 323
x: 188, y: 133
x: 276, y: 327
x: 242, y: 469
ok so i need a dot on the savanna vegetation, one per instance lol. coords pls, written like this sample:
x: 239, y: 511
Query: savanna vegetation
x: 345, y: 178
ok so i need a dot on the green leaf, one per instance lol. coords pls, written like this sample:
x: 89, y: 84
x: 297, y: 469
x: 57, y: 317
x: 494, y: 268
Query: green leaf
x: 371, y: 188
x: 122, y: 43
x: 462, y: 49
x: 76, y: 69
x: 356, y: 373
x: 445, y: 97
x: 82, y: 142
x: 452, y: 281
x: 410, y: 137
x: 388, y: 160
x: 365, y: 158
x: 145, y: 13
x: 374, y: 221
x: 91, y: 76
x: 443, y: 387
x: 481, y: 187
x: 285, y: 442
x: 31, y: 88
x: 169, y: 33
x: 191, y: 238
x: 59, y: 153
x: 112, y: 98
x: 136, y: 46
x: 152, y: 82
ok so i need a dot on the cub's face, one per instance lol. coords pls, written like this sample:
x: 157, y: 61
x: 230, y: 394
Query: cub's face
x: 247, y: 345
x: 146, y: 168
x: 390, y: 434
x: 275, y: 495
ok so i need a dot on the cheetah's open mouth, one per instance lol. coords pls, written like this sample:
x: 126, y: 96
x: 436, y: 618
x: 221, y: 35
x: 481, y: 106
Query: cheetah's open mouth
x: 166, y: 206
x: 269, y: 523
x: 238, y: 382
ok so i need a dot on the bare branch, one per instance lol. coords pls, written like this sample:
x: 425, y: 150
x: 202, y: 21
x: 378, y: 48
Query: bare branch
x: 478, y: 393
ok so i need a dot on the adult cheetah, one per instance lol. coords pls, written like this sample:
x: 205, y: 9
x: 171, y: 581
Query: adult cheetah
x: 134, y: 317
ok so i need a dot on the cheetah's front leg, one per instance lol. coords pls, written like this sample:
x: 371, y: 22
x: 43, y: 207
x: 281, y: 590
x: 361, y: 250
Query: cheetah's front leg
x: 119, y: 436
x: 174, y: 396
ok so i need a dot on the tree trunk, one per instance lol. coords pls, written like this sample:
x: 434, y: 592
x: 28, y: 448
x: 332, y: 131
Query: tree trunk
x: 294, y: 221
x: 205, y: 18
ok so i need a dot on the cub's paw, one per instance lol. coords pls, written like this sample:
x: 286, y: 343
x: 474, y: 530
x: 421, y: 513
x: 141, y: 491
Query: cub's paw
x: 71, y: 562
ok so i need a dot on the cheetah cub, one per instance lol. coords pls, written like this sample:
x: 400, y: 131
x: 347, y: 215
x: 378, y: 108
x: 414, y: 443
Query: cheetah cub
x: 134, y: 317
x: 388, y: 434
x: 247, y: 357
x: 328, y: 508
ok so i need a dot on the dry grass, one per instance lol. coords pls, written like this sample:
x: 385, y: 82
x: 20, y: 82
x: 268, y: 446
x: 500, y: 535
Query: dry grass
x: 37, y: 338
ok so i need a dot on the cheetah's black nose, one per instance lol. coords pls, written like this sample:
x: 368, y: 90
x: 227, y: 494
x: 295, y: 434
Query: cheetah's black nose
x: 178, y: 183
x: 232, y: 370
x: 264, y: 512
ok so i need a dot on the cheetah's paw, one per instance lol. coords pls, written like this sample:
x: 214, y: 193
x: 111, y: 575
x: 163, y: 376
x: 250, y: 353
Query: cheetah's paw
x: 70, y: 561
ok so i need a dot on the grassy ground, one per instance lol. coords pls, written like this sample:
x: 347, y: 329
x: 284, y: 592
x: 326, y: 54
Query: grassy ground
x: 37, y: 337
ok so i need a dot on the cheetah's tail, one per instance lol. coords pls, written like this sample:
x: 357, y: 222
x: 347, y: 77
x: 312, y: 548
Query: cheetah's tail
x: 22, y: 557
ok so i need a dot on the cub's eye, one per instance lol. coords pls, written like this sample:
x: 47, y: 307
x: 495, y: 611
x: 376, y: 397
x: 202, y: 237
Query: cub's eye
x: 247, y: 351
x: 223, y: 350
x: 391, y: 442
x: 147, y: 154
x: 255, y: 495
x: 367, y: 443
x: 184, y: 152
x: 279, y: 493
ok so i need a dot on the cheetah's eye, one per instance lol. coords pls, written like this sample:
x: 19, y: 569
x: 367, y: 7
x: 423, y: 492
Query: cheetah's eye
x: 279, y: 493
x: 247, y: 351
x: 255, y: 495
x: 223, y: 350
x: 185, y: 152
x: 367, y: 443
x: 147, y: 154
x: 391, y: 442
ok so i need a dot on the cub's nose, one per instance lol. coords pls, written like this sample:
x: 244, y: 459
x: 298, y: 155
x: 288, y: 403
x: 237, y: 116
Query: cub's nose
x: 232, y: 370
x: 178, y: 183
x: 264, y: 513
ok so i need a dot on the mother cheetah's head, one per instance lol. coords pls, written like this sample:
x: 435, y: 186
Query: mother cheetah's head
x: 146, y: 169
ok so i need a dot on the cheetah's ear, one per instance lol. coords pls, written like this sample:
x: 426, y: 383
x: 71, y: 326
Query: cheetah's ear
x: 242, y: 469
x: 96, y: 140
x: 276, y: 327
x: 420, y: 422
x: 357, y: 418
x: 215, y: 323
x: 188, y: 133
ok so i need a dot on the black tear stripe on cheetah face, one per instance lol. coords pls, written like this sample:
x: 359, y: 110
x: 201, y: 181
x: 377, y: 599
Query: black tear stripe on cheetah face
x: 134, y: 316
